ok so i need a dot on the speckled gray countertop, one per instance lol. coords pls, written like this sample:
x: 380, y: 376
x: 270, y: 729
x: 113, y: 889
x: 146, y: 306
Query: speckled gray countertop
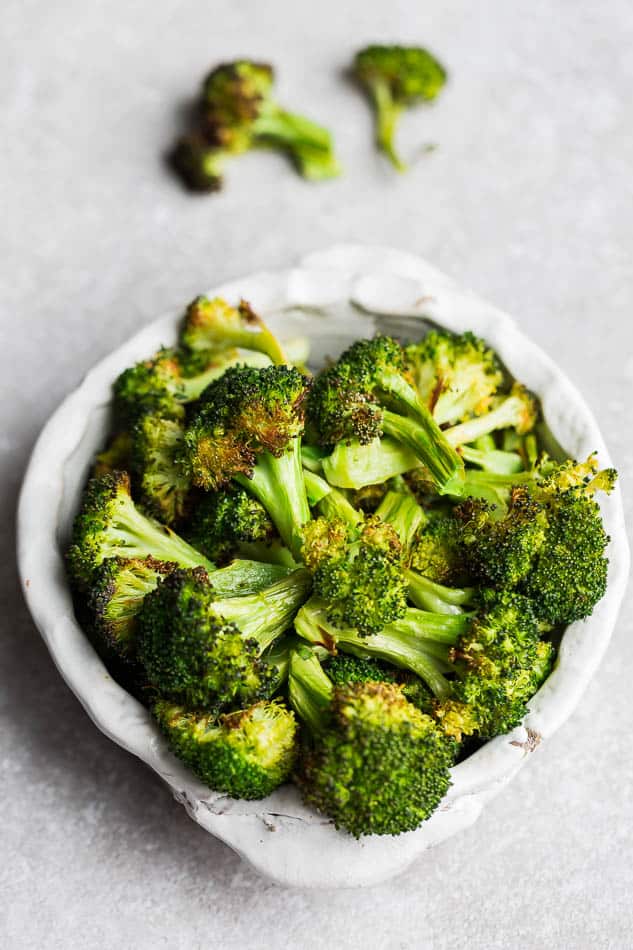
x: 528, y: 199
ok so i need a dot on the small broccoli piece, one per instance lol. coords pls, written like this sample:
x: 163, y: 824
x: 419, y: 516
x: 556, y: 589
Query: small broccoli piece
x: 519, y: 410
x: 352, y: 400
x: 344, y: 668
x: 396, y: 77
x: 245, y: 754
x: 212, y: 324
x: 357, y: 571
x: 374, y: 763
x: 404, y: 514
x: 224, y: 519
x: 501, y: 663
x: 115, y: 457
x: 419, y: 641
x: 163, y: 487
x: 115, y: 599
x: 237, y: 112
x: 205, y: 651
x: 455, y: 375
x: 493, y: 460
x: 500, y: 551
x: 248, y: 428
x: 163, y: 384
x: 356, y: 465
x: 331, y: 503
x: 437, y: 553
x: 110, y: 525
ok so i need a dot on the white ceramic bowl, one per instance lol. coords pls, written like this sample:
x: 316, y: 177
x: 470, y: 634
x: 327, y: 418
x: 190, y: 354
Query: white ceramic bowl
x: 391, y: 290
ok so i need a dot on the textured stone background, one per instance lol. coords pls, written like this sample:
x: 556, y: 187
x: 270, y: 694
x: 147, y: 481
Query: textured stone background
x: 528, y: 199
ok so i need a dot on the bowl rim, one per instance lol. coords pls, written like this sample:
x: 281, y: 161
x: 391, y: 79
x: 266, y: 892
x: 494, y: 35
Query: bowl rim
x: 380, y: 281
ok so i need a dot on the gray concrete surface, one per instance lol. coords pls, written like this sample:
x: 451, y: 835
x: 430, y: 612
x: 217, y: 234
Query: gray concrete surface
x: 528, y: 199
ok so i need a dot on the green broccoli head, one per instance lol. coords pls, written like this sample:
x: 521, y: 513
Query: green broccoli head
x: 212, y: 324
x: 162, y: 484
x: 358, y: 572
x: 501, y: 663
x: 115, y: 457
x: 151, y: 386
x: 396, y: 77
x: 234, y: 95
x: 193, y: 654
x: 343, y: 669
x: 518, y: 410
x: 224, y: 519
x: 243, y: 414
x: 245, y: 754
x: 199, y: 164
x: 437, y: 552
x: 116, y: 596
x: 379, y: 765
x: 500, y: 550
x: 456, y: 375
x: 109, y: 525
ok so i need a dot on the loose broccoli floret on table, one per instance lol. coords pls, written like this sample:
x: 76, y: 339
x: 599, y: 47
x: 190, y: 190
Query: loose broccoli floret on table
x: 372, y: 761
x: 396, y: 78
x: 246, y: 754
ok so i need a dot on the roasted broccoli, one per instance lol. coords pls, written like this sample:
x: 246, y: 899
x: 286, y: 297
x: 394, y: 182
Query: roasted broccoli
x: 351, y: 400
x: 246, y: 753
x: 206, y: 651
x: 163, y: 486
x: 372, y: 761
x: 237, y: 112
x: 223, y: 520
x: 211, y: 324
x: 396, y: 77
x: 248, y: 428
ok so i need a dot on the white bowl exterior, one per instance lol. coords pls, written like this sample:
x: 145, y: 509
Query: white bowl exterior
x: 279, y: 836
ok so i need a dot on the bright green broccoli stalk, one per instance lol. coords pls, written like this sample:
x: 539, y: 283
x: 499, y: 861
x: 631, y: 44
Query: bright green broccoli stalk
x: 163, y: 487
x: 455, y: 375
x: 373, y: 762
x: 358, y: 465
x: 206, y: 652
x: 330, y: 502
x: 518, y: 410
x: 404, y: 514
x: 493, y: 460
x: 396, y: 77
x: 212, y: 324
x: 245, y: 754
x: 110, y: 525
x: 237, y: 112
x: 248, y: 428
x: 353, y: 398
x: 357, y: 572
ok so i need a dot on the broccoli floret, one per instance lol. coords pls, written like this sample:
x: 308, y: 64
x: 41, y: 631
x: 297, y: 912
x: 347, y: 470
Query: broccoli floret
x: 110, y: 525
x: 163, y: 487
x: 396, y: 77
x: 373, y: 763
x: 115, y: 457
x: 357, y: 571
x: 456, y: 375
x: 437, y: 553
x: 248, y: 428
x: 224, y: 519
x: 246, y: 754
x: 212, y: 324
x: 237, y: 112
x: 344, y: 668
x: 518, y: 410
x: 352, y: 400
x: 501, y: 663
x: 204, y: 651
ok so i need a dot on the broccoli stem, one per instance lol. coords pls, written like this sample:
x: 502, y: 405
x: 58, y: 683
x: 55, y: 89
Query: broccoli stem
x: 429, y: 595
x: 309, y: 145
x: 272, y: 553
x: 331, y: 503
x: 279, y: 485
x: 356, y: 465
x: 242, y: 577
x: 133, y: 534
x: 404, y: 514
x: 309, y: 688
x: 503, y: 463
x: 503, y: 417
x: 444, y: 464
x: 387, y: 115
x: 419, y: 642
x: 262, y: 616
